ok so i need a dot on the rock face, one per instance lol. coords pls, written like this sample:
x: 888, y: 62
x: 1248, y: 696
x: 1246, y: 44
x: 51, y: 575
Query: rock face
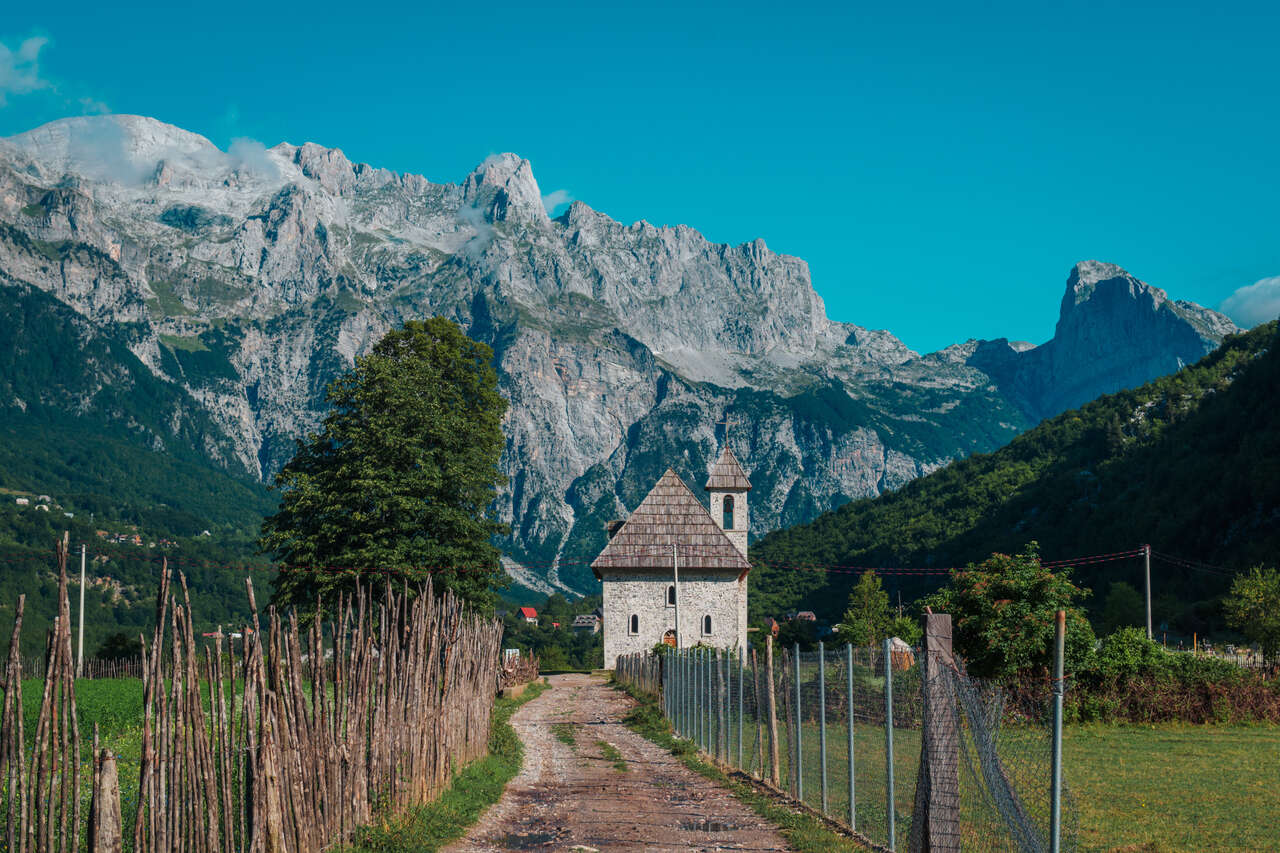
x: 247, y: 279
x: 1113, y: 332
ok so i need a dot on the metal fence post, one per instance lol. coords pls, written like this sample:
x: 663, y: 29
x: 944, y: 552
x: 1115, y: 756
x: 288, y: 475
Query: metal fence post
x: 707, y: 701
x: 742, y: 671
x: 720, y: 703
x: 1055, y: 788
x: 822, y: 719
x: 848, y: 666
x: 888, y: 742
x: 722, y: 742
x: 700, y: 706
x: 799, y: 735
x: 686, y: 695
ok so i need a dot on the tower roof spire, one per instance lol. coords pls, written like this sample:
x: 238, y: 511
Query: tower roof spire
x: 727, y: 474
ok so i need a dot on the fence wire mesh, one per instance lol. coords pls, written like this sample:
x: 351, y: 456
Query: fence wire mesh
x: 854, y: 735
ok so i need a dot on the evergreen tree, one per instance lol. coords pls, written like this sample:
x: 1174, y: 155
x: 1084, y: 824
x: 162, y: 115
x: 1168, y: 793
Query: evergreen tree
x: 868, y: 619
x: 398, y: 482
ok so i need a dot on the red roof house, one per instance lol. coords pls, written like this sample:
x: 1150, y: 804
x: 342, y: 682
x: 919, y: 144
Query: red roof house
x: 529, y: 615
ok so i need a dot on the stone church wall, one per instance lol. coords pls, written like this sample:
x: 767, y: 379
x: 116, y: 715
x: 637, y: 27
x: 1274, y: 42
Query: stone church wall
x: 721, y: 596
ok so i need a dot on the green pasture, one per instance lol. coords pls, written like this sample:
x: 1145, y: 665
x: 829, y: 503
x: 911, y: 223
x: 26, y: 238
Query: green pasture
x: 1156, y: 789
x: 1173, y: 787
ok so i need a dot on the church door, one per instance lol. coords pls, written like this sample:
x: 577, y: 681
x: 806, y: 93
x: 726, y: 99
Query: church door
x: 669, y: 638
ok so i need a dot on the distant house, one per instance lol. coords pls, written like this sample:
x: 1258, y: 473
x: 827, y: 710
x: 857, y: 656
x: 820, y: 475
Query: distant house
x: 45, y: 499
x: 44, y: 507
x: 528, y: 614
x: 24, y: 501
x: 555, y: 624
x: 587, y: 622
x: 806, y: 616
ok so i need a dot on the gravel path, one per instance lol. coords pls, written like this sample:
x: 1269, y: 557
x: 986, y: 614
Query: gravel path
x: 574, y: 797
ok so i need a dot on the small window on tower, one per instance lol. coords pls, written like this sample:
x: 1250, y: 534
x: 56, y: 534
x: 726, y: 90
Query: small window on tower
x: 706, y: 624
x: 728, y: 512
x: 635, y: 623
x: 671, y: 595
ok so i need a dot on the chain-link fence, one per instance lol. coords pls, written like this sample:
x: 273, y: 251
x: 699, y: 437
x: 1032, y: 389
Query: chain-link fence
x: 867, y: 738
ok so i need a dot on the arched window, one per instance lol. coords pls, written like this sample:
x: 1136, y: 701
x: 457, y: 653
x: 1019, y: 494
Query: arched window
x: 706, y: 624
x: 635, y: 623
x: 671, y: 595
x: 728, y: 512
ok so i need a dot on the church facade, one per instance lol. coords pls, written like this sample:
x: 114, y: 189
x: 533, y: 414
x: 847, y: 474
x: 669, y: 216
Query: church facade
x: 675, y: 558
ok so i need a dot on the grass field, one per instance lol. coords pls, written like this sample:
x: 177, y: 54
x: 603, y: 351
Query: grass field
x: 1173, y: 788
x: 1156, y: 789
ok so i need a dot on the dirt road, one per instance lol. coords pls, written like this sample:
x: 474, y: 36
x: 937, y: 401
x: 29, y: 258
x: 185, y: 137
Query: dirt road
x: 580, y: 797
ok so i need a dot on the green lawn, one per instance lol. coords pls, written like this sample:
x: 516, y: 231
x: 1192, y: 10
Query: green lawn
x: 1159, y: 788
x: 1175, y: 787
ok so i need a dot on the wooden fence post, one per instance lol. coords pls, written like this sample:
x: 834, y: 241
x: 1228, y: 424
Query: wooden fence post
x: 106, y: 832
x: 935, y: 825
x: 773, y: 712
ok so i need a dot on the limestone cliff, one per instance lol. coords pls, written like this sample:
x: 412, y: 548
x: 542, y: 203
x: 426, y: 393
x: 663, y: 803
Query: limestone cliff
x: 249, y: 278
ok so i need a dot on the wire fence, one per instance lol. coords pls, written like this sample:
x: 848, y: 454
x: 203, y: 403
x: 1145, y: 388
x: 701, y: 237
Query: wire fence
x: 895, y: 750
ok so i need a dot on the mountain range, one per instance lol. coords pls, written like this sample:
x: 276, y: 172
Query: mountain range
x: 1188, y: 463
x: 225, y: 289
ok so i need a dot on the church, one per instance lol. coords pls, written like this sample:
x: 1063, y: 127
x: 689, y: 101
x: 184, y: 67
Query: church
x: 676, y: 573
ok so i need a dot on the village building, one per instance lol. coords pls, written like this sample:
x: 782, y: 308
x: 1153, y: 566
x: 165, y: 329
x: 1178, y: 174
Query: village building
x: 675, y: 572
x: 528, y: 614
x: 587, y: 623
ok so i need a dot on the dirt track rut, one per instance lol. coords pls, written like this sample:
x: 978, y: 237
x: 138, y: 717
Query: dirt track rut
x: 569, y: 797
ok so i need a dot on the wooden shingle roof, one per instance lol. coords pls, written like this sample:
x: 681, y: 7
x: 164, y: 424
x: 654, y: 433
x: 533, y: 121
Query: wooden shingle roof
x: 670, y: 515
x: 727, y: 474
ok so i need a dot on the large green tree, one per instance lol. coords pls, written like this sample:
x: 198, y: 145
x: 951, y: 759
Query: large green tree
x: 400, y: 478
x: 1254, y: 608
x: 1002, y: 615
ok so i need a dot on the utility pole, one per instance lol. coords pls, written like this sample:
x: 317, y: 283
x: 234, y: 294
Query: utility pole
x: 1146, y: 558
x: 675, y: 571
x: 80, y: 652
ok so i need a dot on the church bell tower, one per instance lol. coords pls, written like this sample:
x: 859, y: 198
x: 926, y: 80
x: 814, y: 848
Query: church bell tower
x: 728, y: 486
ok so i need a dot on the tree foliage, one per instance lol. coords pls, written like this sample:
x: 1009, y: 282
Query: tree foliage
x: 401, y: 475
x: 1003, y: 615
x: 1253, y: 607
x: 867, y: 619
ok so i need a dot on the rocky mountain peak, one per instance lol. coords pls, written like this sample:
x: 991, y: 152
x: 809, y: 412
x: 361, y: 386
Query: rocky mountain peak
x: 503, y: 187
x: 1124, y: 329
x: 328, y: 167
x: 1098, y: 289
x: 114, y: 148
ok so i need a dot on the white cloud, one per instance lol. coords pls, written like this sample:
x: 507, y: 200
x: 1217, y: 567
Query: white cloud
x: 555, y: 199
x: 1254, y: 304
x: 20, y: 68
x: 251, y: 155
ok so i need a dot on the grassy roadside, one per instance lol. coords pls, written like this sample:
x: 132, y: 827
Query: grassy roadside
x: 474, y: 789
x: 806, y: 833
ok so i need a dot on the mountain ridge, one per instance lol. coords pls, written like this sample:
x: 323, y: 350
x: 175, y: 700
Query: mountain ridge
x: 253, y: 276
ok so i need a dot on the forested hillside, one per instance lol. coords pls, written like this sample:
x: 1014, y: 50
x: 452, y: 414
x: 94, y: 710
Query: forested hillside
x: 1189, y: 463
x: 118, y: 452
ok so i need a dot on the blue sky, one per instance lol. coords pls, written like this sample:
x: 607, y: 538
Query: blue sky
x: 940, y: 166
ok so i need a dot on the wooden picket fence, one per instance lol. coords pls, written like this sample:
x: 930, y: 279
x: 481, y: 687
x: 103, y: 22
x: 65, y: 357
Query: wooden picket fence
x: 283, y: 742
x: 641, y: 670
